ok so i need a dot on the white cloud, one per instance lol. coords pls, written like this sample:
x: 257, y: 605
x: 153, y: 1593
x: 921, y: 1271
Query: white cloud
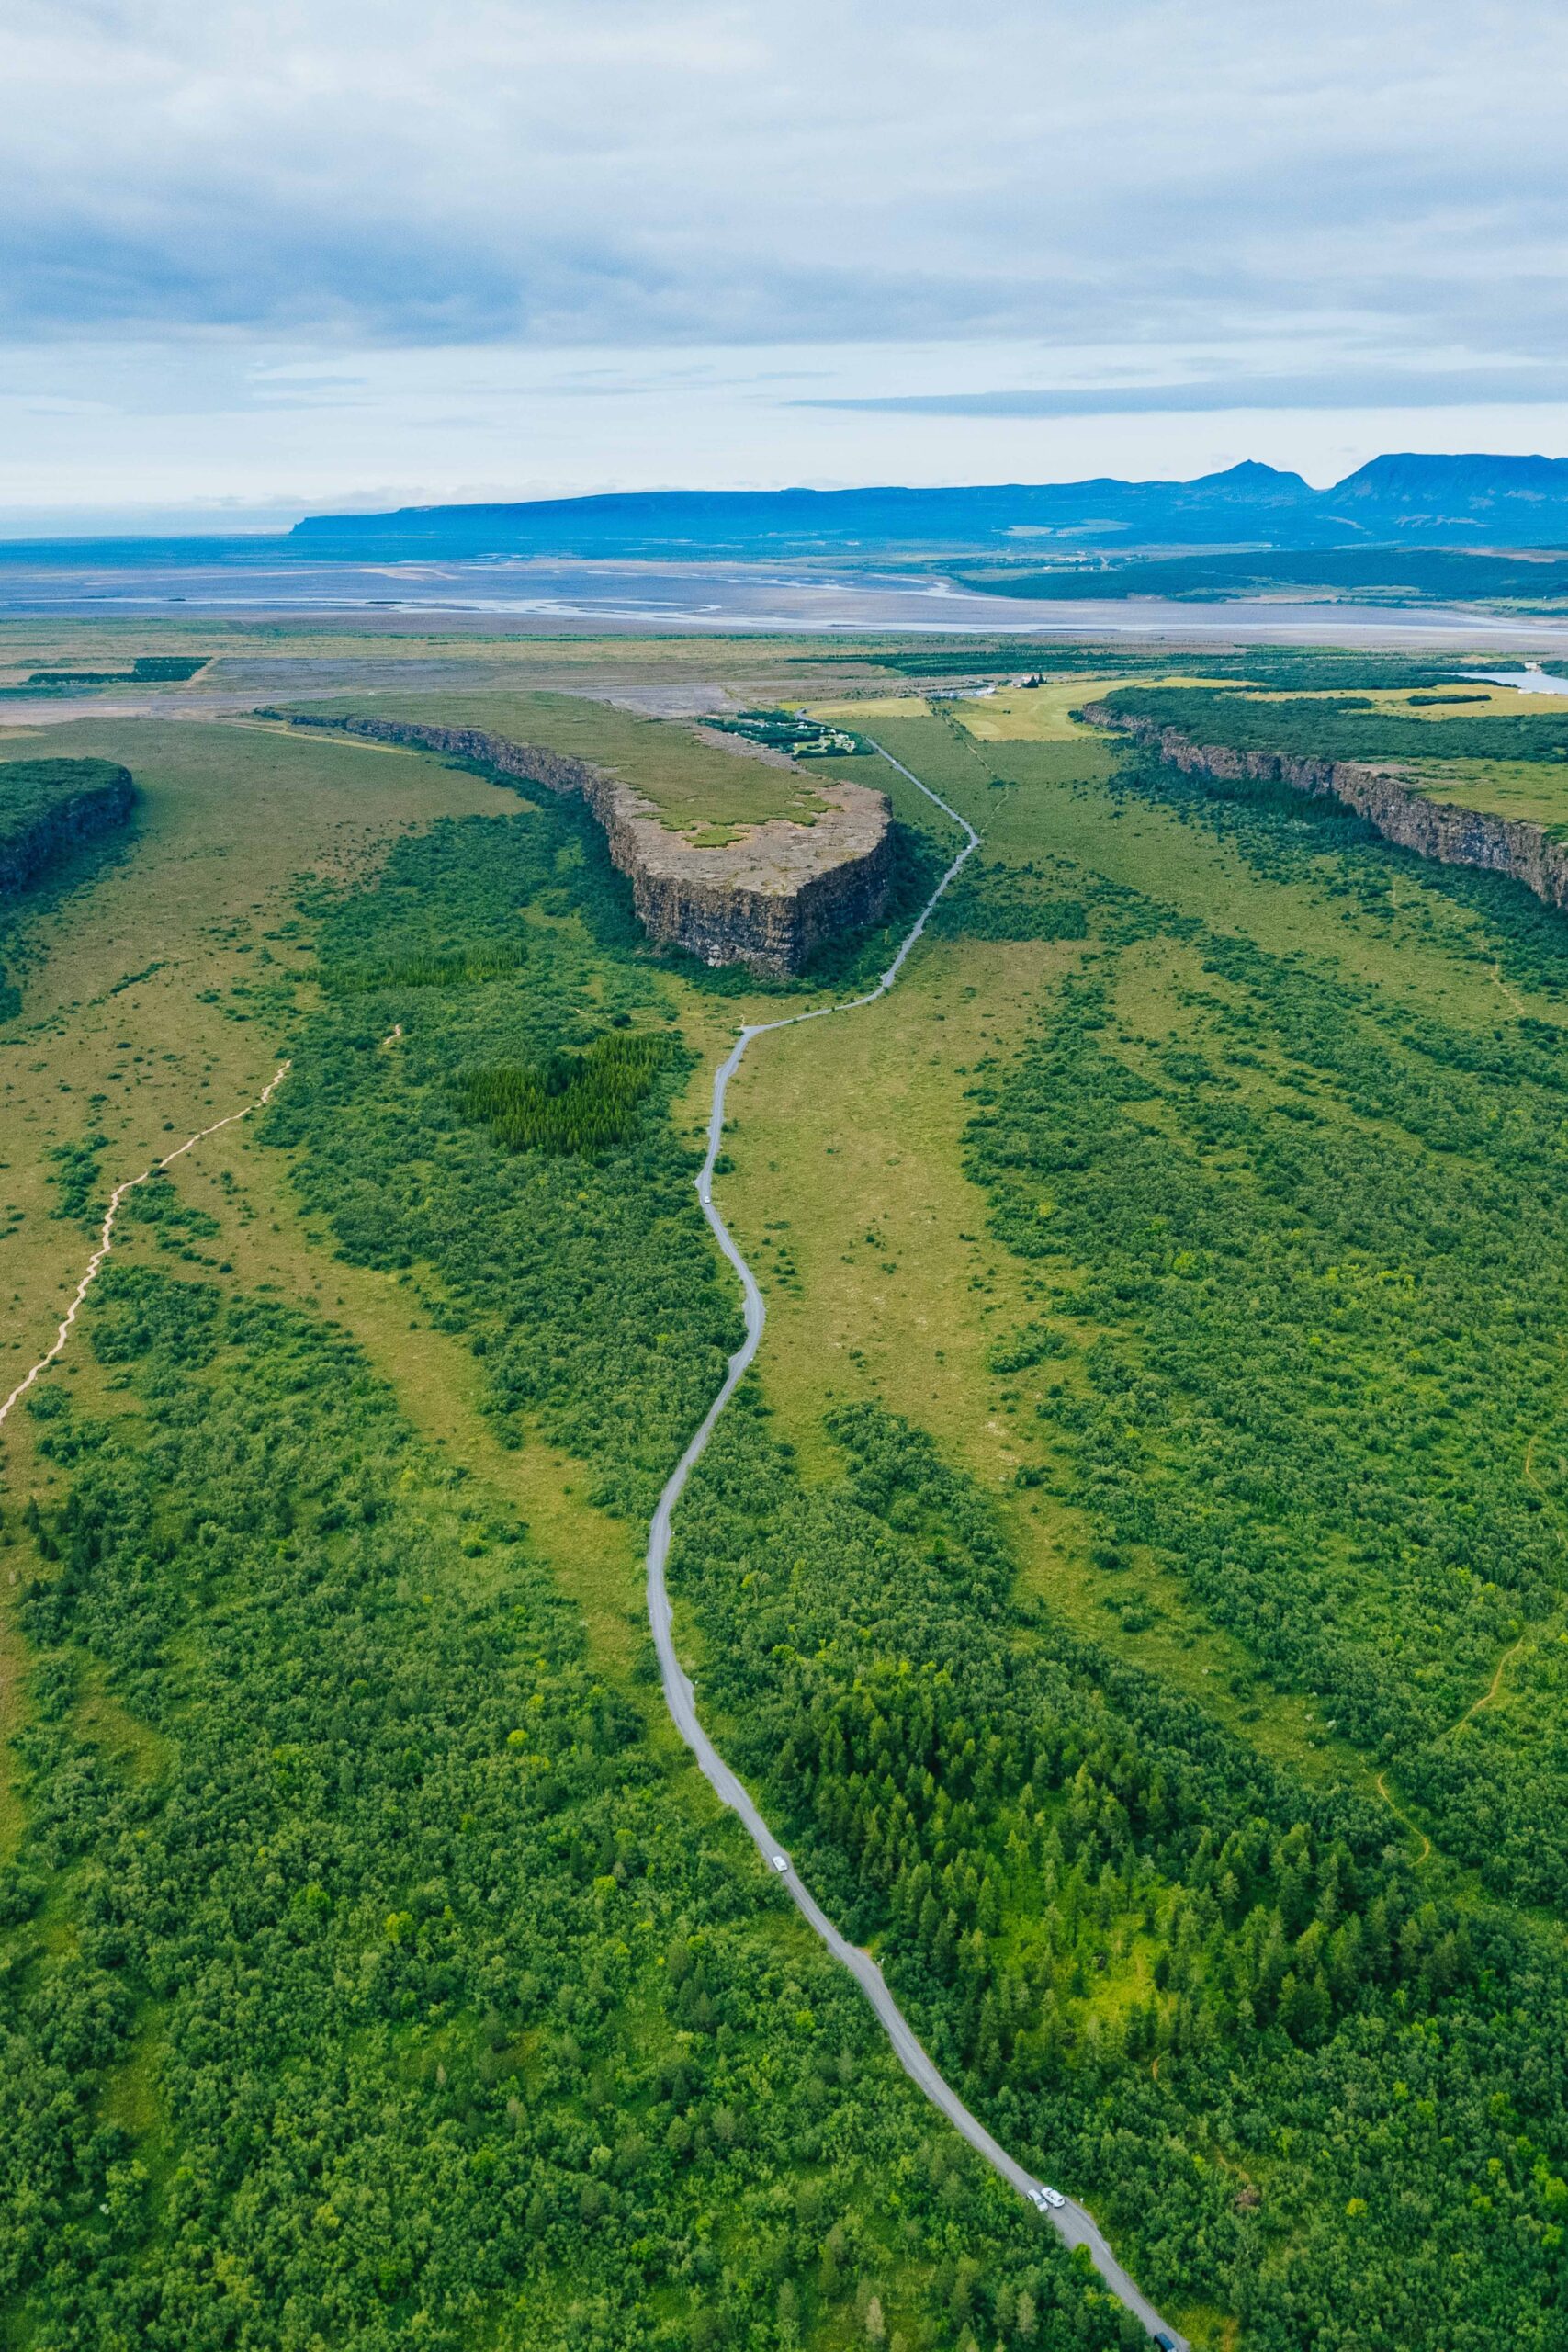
x: 674, y: 168
x: 1147, y: 190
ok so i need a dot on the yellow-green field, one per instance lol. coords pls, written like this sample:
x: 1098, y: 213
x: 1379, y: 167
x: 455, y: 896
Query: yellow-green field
x: 1529, y: 789
x: 703, y: 785
x: 1473, y: 699
x: 160, y: 983
x: 143, y: 1014
x: 847, y: 1150
x: 1013, y: 714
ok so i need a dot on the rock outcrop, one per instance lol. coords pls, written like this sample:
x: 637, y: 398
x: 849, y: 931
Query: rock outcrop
x: 1387, y: 797
x: 49, y: 806
x: 769, y: 898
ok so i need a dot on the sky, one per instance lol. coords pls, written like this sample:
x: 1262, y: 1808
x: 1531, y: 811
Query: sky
x: 257, y: 261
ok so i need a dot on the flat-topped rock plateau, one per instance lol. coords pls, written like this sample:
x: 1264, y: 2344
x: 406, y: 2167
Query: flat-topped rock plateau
x: 769, y: 897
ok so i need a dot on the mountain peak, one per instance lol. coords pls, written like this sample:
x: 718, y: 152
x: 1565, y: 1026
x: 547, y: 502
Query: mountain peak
x: 1250, y: 473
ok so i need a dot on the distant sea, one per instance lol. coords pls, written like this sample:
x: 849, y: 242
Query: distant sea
x: 257, y: 577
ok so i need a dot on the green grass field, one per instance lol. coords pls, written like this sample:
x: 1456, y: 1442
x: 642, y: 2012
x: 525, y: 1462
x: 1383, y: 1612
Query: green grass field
x: 924, y: 1336
x: 859, y: 1154
x: 151, y: 990
x: 1133, y: 1579
x: 771, y: 2198
x: 1522, y: 788
x: 699, y: 783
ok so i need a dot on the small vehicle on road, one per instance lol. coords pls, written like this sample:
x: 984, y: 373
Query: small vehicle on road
x: 1165, y: 2342
x: 781, y: 1862
x: 1046, y: 2201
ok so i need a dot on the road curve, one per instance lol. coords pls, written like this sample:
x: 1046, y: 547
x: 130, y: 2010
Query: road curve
x: 1074, y: 2223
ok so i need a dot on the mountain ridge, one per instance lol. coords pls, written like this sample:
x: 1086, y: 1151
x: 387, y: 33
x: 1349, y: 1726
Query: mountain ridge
x: 1465, y: 499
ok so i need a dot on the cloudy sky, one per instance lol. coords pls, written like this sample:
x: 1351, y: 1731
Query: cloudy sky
x: 261, y: 259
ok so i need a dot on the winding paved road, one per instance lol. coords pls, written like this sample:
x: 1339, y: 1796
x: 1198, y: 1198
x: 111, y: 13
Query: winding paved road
x: 1074, y: 2223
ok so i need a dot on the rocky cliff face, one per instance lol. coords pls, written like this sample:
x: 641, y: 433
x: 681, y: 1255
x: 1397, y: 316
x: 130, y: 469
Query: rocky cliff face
x: 48, y: 806
x: 770, y: 898
x: 1436, y: 828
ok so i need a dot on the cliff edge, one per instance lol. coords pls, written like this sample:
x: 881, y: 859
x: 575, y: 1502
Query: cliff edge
x: 1388, y: 799
x: 769, y: 898
x: 49, y: 806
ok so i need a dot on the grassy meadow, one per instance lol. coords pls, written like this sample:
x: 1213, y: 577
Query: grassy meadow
x: 851, y: 1167
x: 240, y: 1374
x: 151, y: 991
x: 1132, y: 1577
x: 701, y: 785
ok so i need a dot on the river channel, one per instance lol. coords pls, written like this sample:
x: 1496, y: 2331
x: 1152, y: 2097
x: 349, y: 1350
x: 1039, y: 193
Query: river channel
x: 549, y: 596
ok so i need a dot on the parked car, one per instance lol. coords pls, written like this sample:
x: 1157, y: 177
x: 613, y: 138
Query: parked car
x: 1045, y: 2200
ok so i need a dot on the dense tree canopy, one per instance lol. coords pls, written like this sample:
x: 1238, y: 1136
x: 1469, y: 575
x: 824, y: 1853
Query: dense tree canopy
x: 397, y: 1996
x: 390, y: 1989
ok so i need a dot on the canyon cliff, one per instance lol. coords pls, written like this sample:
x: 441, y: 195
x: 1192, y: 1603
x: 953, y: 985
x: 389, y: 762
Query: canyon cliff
x: 769, y: 898
x: 1389, y: 801
x: 49, y: 806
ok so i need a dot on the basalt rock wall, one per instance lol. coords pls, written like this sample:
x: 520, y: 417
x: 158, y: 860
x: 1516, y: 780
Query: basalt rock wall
x: 769, y: 898
x: 1440, y: 829
x: 56, y: 811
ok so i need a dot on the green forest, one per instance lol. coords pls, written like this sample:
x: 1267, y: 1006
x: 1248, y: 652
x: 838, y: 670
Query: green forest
x: 574, y: 1102
x: 1130, y: 1938
x: 146, y: 670
x: 1225, y: 2001
x: 1396, y: 574
x: 398, y: 1982
x: 399, y: 1996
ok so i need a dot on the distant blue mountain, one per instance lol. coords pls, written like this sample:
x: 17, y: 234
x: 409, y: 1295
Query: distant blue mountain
x: 1468, y: 502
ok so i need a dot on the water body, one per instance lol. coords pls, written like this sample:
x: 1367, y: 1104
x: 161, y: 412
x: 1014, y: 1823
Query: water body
x: 1532, y: 680
x: 547, y: 596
